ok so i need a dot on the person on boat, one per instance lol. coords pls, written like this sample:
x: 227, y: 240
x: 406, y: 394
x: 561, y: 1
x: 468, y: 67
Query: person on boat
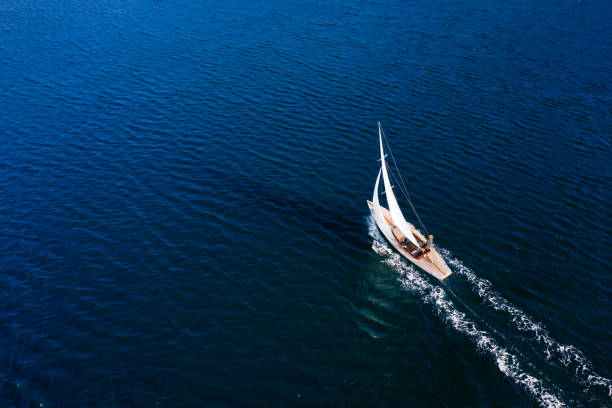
x: 429, y: 244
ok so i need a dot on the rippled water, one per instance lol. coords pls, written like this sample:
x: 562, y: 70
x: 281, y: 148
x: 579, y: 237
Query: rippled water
x: 183, y: 218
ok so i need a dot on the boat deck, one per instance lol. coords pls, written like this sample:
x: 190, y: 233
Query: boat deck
x: 432, y: 262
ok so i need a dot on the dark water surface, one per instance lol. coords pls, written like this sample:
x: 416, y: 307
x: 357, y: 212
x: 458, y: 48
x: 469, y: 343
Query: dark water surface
x: 183, y: 217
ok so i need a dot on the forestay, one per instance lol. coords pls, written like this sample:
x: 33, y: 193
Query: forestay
x: 396, y: 213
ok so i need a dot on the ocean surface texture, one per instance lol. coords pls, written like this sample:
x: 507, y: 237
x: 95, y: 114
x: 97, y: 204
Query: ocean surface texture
x: 183, y: 218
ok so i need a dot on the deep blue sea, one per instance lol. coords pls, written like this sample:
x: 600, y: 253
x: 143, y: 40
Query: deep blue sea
x: 183, y: 218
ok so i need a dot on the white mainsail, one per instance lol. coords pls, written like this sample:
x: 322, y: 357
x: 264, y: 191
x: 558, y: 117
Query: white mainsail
x: 396, y: 214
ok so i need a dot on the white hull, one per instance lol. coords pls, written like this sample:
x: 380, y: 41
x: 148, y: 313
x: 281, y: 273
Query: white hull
x: 432, y: 262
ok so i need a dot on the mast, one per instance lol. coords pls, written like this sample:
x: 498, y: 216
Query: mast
x: 403, y: 188
x: 394, y: 209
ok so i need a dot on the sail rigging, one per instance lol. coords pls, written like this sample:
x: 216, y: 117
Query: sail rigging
x: 401, y: 183
x: 394, y: 209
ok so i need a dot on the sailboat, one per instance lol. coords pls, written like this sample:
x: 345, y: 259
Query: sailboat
x: 404, y: 237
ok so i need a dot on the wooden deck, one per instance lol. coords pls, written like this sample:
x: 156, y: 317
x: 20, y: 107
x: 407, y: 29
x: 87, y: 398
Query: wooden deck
x: 432, y: 262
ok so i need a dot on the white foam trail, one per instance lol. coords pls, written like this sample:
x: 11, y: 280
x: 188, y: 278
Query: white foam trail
x: 373, y: 230
x: 507, y: 363
x: 567, y: 355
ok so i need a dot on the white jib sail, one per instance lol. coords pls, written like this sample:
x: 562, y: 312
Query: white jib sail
x: 378, y: 215
x: 396, y: 214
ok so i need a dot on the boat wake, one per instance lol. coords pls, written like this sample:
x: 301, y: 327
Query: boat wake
x: 507, y: 362
x: 567, y: 355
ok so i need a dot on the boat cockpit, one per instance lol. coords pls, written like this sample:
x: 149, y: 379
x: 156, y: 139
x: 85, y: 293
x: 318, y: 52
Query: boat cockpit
x: 414, y: 250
